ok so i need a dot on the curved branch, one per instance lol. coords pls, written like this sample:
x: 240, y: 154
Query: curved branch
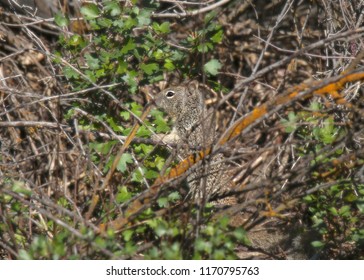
x: 192, y: 13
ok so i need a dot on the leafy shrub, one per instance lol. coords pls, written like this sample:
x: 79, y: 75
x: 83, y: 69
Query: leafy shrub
x: 336, y: 209
x: 125, y: 48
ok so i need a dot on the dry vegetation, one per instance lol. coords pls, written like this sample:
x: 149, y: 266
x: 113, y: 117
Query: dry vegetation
x: 65, y: 116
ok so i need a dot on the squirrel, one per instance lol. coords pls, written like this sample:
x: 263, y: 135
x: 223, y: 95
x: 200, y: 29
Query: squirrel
x: 194, y: 129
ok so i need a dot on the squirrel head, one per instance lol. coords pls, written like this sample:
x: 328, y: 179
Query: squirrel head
x: 180, y: 100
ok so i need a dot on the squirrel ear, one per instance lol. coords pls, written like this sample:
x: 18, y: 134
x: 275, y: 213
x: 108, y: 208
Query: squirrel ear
x: 193, y: 87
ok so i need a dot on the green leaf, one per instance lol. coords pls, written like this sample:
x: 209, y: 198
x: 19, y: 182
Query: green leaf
x: 135, y: 10
x: 128, y: 47
x: 24, y: 255
x: 75, y: 40
x: 217, y: 38
x: 127, y: 234
x: 360, y: 206
x: 161, y: 228
x: 162, y: 202
x: 317, y: 244
x: 158, y: 54
x: 151, y: 174
x: 204, y: 47
x: 290, y: 124
x: 159, y: 162
x: 173, y: 196
x: 92, y: 62
x: 315, y: 106
x: 350, y: 197
x: 146, y: 148
x: 136, y: 108
x: 100, y: 242
x: 137, y: 175
x: 113, y: 8
x: 161, y: 28
x: 212, y: 67
x: 292, y: 117
x: 333, y: 211
x: 124, y: 160
x: 161, y: 125
x: 241, y: 235
x: 104, y: 22
x: 211, y: 15
x: 70, y: 73
x: 143, y: 132
x: 328, y: 132
x: 91, y: 75
x: 122, y: 67
x: 63, y: 202
x: 308, y: 198
x: 129, y: 78
x: 129, y: 23
x: 104, y: 56
x: 123, y: 195
x: 102, y: 148
x: 61, y: 20
x: 344, y: 211
x: 19, y: 187
x: 165, y: 27
x: 125, y: 115
x: 90, y: 11
x: 203, y: 246
x: 177, y: 55
x: 168, y: 64
x: 114, y: 125
x: 149, y: 68
x: 144, y: 17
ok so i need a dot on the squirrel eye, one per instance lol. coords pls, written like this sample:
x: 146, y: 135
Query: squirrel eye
x: 170, y: 94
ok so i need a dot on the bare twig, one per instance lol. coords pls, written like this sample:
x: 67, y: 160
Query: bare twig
x: 191, y: 13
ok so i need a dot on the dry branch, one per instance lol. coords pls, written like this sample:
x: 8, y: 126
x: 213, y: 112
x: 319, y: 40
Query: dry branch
x: 303, y: 91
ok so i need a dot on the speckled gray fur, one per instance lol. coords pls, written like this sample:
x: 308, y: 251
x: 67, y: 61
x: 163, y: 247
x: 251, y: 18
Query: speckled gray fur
x: 193, y: 127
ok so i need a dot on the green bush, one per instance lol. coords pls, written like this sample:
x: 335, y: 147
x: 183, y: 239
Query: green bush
x: 126, y: 48
x: 336, y: 209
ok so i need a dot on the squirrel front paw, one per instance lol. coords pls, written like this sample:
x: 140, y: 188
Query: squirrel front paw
x: 166, y: 138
